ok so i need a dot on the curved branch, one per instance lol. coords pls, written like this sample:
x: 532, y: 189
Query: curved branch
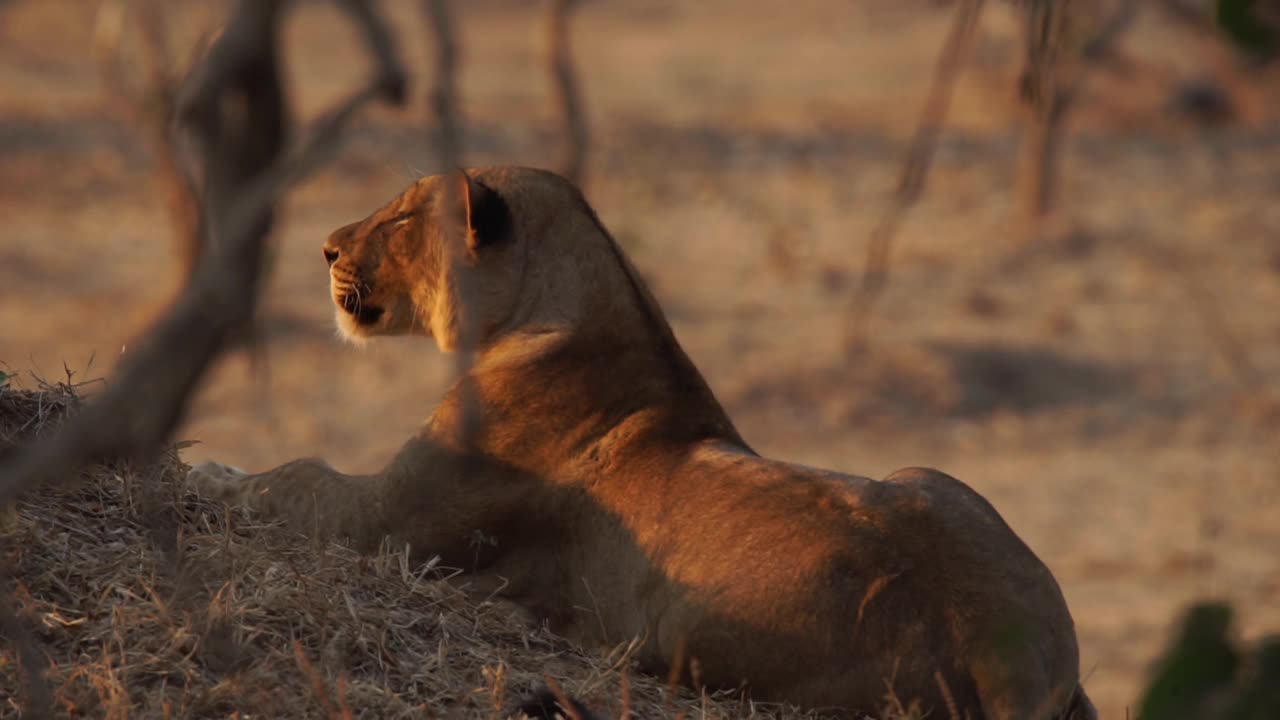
x: 568, y: 92
x: 875, y: 272
x: 444, y: 94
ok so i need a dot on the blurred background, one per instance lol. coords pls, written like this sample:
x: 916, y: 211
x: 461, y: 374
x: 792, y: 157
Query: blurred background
x: 1104, y: 372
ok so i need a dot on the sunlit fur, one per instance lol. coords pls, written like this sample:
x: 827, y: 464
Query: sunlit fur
x: 617, y: 499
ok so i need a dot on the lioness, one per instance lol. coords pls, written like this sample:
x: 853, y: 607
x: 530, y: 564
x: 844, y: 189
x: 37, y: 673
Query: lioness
x: 607, y: 491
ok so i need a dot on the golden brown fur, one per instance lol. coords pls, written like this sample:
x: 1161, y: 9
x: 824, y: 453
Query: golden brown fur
x: 609, y: 493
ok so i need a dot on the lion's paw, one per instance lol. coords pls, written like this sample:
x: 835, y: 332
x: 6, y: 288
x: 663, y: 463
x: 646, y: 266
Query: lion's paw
x: 215, y: 480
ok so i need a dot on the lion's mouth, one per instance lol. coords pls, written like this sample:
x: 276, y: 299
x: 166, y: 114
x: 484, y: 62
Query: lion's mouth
x: 363, y: 312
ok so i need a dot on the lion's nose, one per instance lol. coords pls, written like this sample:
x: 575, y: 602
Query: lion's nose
x: 330, y: 255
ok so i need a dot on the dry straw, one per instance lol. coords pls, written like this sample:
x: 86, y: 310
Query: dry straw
x: 142, y: 600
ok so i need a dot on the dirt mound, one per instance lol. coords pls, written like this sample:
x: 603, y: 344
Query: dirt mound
x: 142, y: 600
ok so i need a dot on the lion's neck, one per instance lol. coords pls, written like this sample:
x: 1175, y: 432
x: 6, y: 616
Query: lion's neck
x: 601, y: 395
x: 597, y: 384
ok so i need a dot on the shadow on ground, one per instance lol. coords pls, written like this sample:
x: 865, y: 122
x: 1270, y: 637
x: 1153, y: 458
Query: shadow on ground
x: 944, y: 381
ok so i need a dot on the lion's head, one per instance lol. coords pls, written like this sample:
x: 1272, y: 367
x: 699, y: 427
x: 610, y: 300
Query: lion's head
x: 512, y: 241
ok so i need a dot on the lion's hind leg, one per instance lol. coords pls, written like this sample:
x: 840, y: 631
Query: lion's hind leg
x: 311, y: 497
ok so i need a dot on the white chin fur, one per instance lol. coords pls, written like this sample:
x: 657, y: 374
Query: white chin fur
x: 349, y: 331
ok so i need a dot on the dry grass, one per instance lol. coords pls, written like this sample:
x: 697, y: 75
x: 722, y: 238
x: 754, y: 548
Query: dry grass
x: 25, y: 414
x: 148, y: 601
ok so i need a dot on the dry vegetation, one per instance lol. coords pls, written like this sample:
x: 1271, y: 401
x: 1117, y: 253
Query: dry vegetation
x: 1105, y: 386
x: 145, y: 601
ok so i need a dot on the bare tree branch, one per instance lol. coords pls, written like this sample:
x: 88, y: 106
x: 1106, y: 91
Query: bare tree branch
x: 444, y: 93
x: 457, y: 253
x: 235, y: 111
x: 572, y: 114
x: 390, y: 77
x: 1057, y: 65
x: 914, y: 171
x: 448, y: 142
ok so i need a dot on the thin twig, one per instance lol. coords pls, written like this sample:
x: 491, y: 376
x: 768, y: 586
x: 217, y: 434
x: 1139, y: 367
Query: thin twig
x: 444, y: 93
x: 381, y: 44
x: 624, y: 713
x: 914, y: 171
x: 455, y: 194
x: 567, y: 703
x: 674, y: 675
x: 953, y: 713
x: 151, y: 107
x: 568, y: 92
x: 1057, y: 66
x: 319, y: 690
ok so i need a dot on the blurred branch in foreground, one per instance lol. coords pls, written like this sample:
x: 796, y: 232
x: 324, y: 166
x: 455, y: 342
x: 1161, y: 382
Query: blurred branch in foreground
x: 236, y: 113
x: 572, y: 114
x: 444, y: 94
x: 875, y: 272
x: 234, y: 110
x: 448, y: 142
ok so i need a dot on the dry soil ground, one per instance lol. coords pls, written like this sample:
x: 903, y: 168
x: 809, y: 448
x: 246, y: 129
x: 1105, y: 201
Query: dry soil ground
x: 742, y: 153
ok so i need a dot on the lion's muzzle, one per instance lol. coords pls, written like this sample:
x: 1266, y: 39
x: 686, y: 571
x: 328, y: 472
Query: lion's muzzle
x: 363, y: 312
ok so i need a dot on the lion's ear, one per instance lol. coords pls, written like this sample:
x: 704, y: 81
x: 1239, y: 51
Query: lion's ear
x: 487, y: 218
